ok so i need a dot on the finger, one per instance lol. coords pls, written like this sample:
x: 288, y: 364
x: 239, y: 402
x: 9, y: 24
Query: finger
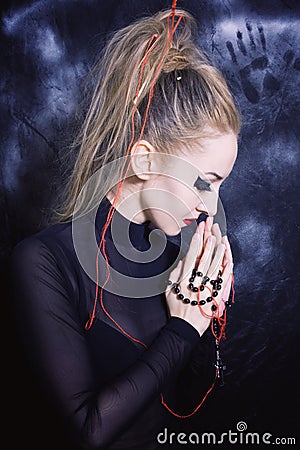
x: 217, y: 261
x: 226, y: 277
x: 207, y: 229
x: 226, y: 281
x: 228, y: 253
x: 207, y: 234
x: 217, y: 232
x: 200, y: 228
x: 206, y: 258
x: 195, y: 249
x: 208, y: 223
x: 200, y: 231
x: 221, y: 308
x: 225, y: 296
x: 227, y: 289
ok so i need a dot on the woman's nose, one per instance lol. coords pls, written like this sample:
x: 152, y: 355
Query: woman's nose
x: 210, y: 203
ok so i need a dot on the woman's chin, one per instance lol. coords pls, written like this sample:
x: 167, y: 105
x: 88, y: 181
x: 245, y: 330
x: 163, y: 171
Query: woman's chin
x: 170, y: 230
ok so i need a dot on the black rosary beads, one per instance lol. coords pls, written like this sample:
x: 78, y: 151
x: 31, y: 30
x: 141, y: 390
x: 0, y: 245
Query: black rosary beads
x: 216, y: 286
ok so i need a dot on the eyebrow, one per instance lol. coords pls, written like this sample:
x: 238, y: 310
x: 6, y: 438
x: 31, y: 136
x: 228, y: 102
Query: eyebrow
x: 217, y: 176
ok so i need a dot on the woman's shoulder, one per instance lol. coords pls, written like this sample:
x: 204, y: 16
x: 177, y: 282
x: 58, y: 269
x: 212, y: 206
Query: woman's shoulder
x: 50, y: 242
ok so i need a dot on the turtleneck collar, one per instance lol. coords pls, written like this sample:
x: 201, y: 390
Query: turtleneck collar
x: 120, y: 227
x: 139, y: 233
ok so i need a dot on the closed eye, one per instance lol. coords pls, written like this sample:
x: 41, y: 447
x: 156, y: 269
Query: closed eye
x: 202, y: 185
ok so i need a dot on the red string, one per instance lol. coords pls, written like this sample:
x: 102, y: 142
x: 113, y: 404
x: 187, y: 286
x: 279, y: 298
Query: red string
x: 153, y: 40
x: 112, y: 207
x: 173, y: 12
x: 233, y: 291
x: 197, y: 407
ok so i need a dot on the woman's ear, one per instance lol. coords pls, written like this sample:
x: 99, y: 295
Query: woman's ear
x: 142, y: 159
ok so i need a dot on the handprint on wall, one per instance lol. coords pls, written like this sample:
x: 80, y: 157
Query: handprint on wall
x: 258, y: 70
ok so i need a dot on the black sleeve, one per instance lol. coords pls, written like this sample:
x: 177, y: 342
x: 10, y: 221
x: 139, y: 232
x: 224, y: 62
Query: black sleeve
x: 50, y: 325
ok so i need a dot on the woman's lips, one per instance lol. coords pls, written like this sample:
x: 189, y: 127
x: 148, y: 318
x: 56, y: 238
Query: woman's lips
x: 188, y: 221
x: 193, y: 219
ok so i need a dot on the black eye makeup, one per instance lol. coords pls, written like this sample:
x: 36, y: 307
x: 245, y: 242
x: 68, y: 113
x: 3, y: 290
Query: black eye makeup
x: 202, y: 185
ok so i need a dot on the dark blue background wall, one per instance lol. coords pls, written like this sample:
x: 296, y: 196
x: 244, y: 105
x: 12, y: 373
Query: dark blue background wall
x: 47, y: 47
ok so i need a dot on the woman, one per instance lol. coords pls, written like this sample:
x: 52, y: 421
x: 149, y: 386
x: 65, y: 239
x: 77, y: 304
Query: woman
x: 113, y: 340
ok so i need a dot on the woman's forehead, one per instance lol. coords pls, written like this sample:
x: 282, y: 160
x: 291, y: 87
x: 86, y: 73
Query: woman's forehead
x: 179, y: 168
x: 213, y: 155
x: 215, y: 158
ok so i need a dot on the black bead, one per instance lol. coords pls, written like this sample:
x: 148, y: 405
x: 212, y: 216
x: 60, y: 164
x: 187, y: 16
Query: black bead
x: 212, y: 281
x: 175, y: 285
x: 194, y: 302
x: 220, y: 273
x: 200, y: 274
x: 170, y: 282
x: 213, y: 308
x: 202, y: 302
x: 209, y: 299
x: 195, y: 289
x: 219, y: 287
x: 194, y: 272
x: 220, y: 280
x: 176, y: 290
x: 191, y: 285
x: 192, y: 279
x: 180, y: 296
x: 215, y: 293
x: 201, y: 287
x: 205, y: 279
x: 186, y: 300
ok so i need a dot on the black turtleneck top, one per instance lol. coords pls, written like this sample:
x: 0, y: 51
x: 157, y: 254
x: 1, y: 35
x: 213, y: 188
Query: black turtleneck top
x: 106, y: 386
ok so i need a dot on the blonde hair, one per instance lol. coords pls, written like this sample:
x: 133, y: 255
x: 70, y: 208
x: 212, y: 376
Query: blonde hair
x: 189, y: 94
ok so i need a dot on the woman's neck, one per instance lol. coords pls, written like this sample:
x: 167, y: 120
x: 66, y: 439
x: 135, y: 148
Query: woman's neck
x: 129, y: 203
